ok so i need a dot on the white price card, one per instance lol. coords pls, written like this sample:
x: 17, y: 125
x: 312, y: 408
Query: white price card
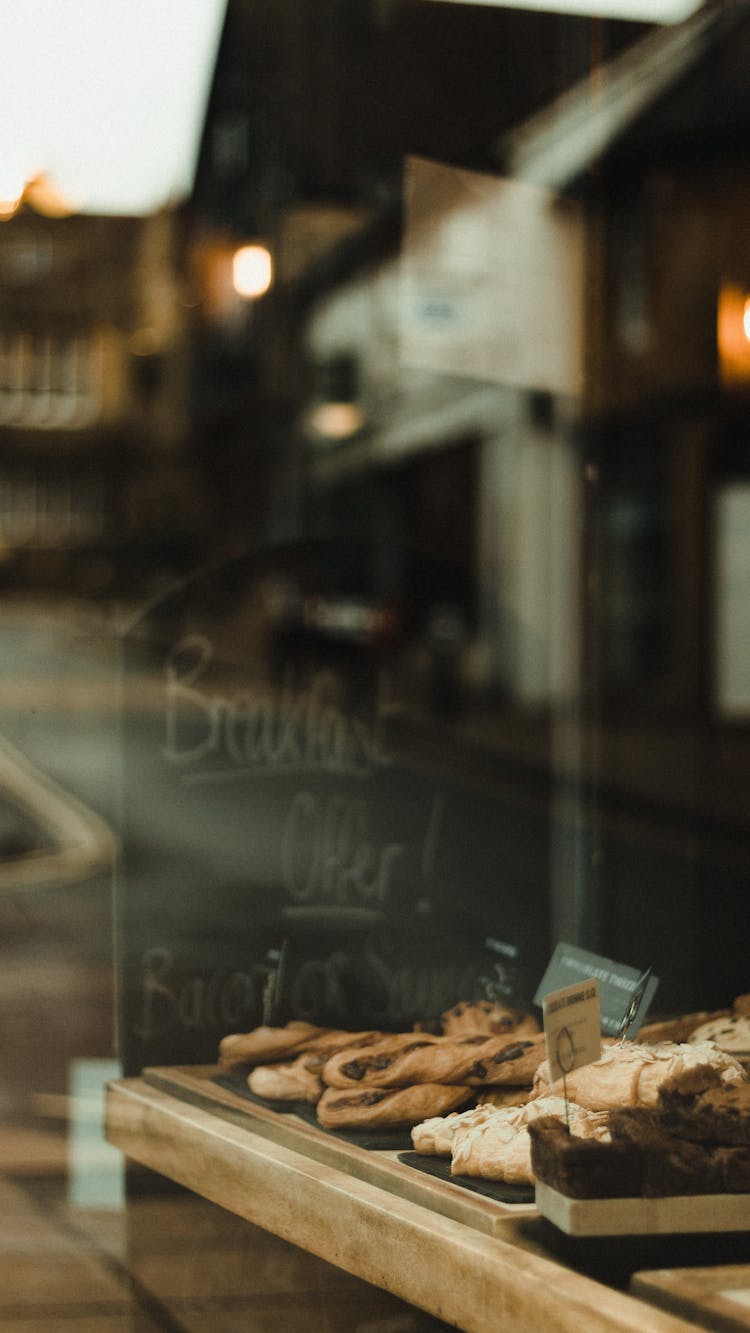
x: 572, y: 1027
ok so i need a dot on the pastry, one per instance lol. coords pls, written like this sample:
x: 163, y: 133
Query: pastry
x: 323, y: 1048
x: 477, y: 1060
x: 729, y: 1032
x: 500, y: 1063
x: 286, y: 1081
x: 388, y: 1108
x: 677, y: 1029
x: 631, y: 1074
x: 728, y: 1028
x: 434, y: 1137
x: 372, y: 1064
x: 488, y: 1016
x: 265, y: 1044
x: 504, y: 1096
x: 499, y: 1147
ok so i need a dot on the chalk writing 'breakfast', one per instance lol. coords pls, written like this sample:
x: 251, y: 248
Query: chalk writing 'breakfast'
x: 294, y: 729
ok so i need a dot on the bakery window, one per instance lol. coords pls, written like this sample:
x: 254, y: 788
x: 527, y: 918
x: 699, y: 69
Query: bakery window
x: 403, y: 650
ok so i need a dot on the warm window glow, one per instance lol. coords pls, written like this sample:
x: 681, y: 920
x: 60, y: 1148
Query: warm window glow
x: 252, y: 271
x: 733, y: 333
x: 12, y: 186
x: 336, y: 421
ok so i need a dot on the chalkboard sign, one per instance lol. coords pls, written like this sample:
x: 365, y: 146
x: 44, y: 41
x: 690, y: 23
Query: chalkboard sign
x: 300, y: 842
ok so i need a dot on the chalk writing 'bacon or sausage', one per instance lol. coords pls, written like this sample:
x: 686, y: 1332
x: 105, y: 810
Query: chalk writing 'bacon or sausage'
x: 232, y: 1001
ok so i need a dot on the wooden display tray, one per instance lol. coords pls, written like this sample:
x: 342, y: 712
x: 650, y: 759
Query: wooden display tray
x: 195, y: 1084
x: 466, y: 1261
x: 717, y: 1297
x: 684, y: 1215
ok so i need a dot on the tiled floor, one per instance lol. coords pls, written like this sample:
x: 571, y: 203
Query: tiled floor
x: 54, y: 1278
x: 163, y: 1263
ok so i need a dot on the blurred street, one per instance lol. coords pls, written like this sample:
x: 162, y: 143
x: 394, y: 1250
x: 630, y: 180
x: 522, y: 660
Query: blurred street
x: 73, y: 1259
x: 58, y: 723
x: 58, y: 1262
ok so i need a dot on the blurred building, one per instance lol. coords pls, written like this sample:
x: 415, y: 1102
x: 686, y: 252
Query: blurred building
x: 387, y: 388
x: 505, y: 347
x: 313, y: 107
x: 653, y: 156
x: 93, y: 404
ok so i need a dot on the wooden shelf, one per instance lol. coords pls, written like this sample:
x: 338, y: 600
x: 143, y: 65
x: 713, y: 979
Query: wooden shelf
x: 718, y: 1297
x: 468, y: 1261
x: 382, y: 1168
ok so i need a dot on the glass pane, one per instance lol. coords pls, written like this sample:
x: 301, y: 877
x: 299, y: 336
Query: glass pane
x: 374, y: 512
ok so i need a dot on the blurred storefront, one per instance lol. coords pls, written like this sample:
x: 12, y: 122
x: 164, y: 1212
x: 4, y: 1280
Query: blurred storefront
x: 374, y: 527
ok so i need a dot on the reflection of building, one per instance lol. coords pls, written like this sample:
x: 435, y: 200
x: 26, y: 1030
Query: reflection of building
x: 591, y: 532
x: 665, y: 343
x: 632, y: 451
x: 314, y: 108
x: 314, y: 414
x: 457, y: 414
x: 92, y: 402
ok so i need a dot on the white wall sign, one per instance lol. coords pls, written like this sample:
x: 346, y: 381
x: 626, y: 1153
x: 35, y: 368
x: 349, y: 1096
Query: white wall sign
x: 491, y: 279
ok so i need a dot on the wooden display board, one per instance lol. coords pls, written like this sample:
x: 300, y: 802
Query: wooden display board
x: 382, y: 1166
x: 716, y: 1297
x: 476, y: 1280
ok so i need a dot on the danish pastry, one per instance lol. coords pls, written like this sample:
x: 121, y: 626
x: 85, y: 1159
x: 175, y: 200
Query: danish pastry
x: 729, y: 1032
x: 470, y: 1016
x: 265, y: 1044
x: 434, y: 1137
x: 289, y: 1081
x: 499, y: 1147
x: 631, y: 1074
x: 476, y: 1060
x: 388, y: 1108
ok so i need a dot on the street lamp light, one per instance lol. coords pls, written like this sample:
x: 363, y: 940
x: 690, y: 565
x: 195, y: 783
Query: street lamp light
x: 252, y: 271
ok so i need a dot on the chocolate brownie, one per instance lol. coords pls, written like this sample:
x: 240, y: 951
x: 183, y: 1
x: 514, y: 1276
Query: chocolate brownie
x: 734, y: 1167
x: 718, y: 1115
x: 581, y: 1168
x: 642, y: 1160
x: 665, y: 1164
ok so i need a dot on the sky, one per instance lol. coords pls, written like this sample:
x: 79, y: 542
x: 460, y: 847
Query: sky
x: 106, y: 97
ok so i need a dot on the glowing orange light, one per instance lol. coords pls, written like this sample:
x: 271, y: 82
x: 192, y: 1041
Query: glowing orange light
x: 46, y: 197
x: 12, y: 186
x: 336, y: 421
x: 733, y: 333
x: 252, y: 271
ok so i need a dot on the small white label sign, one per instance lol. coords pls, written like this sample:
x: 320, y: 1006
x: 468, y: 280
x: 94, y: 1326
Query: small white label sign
x: 572, y: 1027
